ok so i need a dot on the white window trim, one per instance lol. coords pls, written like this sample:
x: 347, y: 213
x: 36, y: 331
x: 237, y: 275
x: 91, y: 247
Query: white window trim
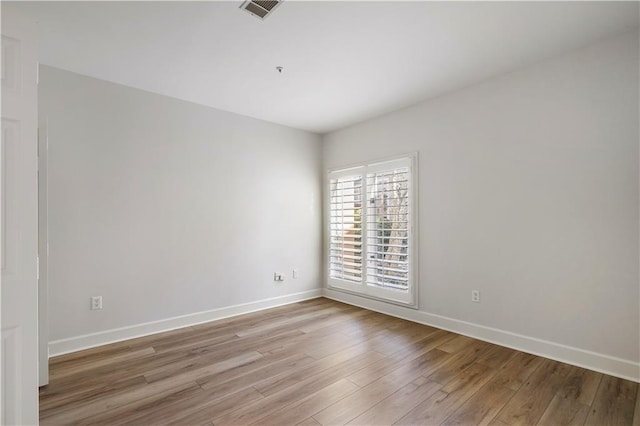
x: 409, y: 298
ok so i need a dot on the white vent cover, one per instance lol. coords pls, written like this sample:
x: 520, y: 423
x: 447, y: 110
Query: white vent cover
x: 260, y: 8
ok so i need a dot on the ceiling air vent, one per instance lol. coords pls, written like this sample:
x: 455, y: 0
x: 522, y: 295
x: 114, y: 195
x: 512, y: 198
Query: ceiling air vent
x: 260, y: 8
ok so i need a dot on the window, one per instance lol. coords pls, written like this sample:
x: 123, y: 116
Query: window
x: 371, y: 224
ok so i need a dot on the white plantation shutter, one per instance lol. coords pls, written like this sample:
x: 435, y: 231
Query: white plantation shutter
x: 345, y: 228
x: 371, y: 230
x: 388, y: 225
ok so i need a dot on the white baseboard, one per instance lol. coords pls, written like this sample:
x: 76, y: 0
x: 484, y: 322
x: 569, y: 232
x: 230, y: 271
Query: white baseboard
x: 73, y: 344
x: 579, y: 357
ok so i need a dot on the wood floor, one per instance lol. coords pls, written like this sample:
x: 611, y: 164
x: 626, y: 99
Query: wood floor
x: 323, y: 362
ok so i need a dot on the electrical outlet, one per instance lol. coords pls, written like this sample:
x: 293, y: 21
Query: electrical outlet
x: 277, y: 276
x: 294, y: 274
x: 475, y: 296
x: 96, y: 303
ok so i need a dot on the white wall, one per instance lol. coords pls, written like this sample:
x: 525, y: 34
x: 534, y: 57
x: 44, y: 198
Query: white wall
x: 167, y: 208
x: 529, y: 193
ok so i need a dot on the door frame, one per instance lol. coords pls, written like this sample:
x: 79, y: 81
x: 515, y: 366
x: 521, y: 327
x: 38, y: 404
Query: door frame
x: 19, y: 195
x: 43, y: 252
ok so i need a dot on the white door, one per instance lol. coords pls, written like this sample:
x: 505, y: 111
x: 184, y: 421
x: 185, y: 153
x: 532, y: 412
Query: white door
x: 19, y: 220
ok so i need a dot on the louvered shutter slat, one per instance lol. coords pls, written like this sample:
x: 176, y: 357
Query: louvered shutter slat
x: 345, y: 224
x: 388, y: 228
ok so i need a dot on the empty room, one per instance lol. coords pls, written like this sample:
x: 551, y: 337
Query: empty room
x: 320, y: 213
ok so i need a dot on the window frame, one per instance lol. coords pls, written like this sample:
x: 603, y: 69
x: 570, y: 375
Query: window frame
x: 408, y: 298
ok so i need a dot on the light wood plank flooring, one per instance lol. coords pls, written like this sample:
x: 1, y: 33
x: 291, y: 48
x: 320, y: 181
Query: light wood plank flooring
x: 321, y: 362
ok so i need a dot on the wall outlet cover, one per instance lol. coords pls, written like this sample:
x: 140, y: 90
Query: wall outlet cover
x: 96, y: 303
